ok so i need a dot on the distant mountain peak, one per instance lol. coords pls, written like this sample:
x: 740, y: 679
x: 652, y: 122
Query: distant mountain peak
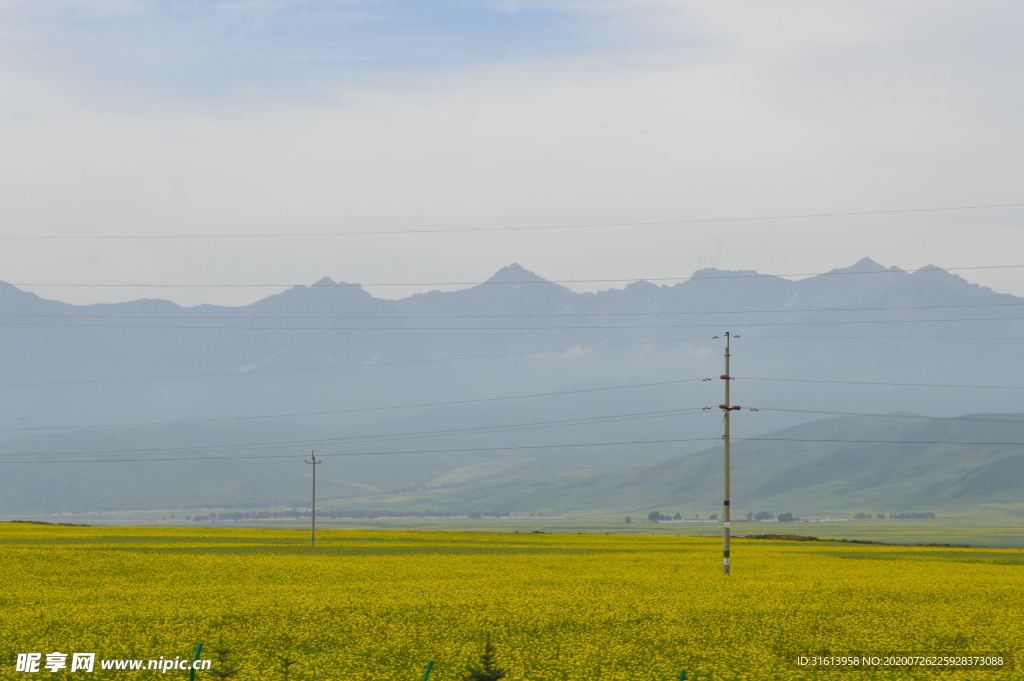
x: 514, y: 273
x: 863, y: 265
x: 711, y: 272
x: 934, y: 273
x: 867, y: 263
x: 330, y: 283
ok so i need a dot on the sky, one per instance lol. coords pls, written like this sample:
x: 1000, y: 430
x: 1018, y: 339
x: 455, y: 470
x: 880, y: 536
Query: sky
x: 149, y: 118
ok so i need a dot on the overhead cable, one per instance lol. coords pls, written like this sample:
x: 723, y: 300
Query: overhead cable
x: 355, y: 410
x: 389, y: 453
x: 499, y: 328
x: 713, y: 277
x: 450, y: 230
x: 362, y: 365
x: 887, y: 383
x: 564, y: 315
x: 453, y: 432
x: 891, y: 416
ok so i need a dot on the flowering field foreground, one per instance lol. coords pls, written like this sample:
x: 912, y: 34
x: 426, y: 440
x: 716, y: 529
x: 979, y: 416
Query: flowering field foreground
x: 378, y: 605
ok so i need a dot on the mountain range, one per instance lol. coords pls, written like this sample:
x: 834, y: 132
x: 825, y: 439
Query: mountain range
x: 515, y: 384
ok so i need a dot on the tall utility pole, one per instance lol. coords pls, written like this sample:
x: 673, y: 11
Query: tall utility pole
x: 727, y: 408
x: 312, y: 516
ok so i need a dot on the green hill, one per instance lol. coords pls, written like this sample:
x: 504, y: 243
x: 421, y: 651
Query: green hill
x: 843, y: 464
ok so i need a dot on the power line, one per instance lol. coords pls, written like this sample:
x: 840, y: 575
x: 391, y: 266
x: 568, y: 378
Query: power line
x: 799, y: 216
x: 200, y: 317
x: 575, y: 348
x: 891, y: 416
x: 889, y: 442
x: 510, y: 428
x: 449, y: 453
x: 348, y: 454
x: 970, y: 338
x: 453, y: 432
x: 518, y: 448
x: 356, y: 410
x: 911, y: 385
x: 711, y: 457
x: 499, y: 328
x: 832, y: 273
x: 532, y: 425
x: 415, y: 464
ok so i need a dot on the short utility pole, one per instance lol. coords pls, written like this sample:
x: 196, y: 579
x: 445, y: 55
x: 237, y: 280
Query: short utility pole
x: 312, y: 517
x: 727, y: 409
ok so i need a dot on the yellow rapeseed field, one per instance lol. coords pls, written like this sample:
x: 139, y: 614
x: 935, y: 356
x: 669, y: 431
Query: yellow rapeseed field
x: 375, y: 605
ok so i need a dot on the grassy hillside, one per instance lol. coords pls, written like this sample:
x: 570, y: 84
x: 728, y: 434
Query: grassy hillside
x: 133, y: 472
x: 891, y: 464
x: 844, y: 464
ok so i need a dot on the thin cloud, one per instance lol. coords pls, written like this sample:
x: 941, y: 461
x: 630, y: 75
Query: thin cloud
x: 128, y: 117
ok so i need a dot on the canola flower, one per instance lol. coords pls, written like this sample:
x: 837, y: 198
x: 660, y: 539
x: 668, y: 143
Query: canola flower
x: 375, y: 605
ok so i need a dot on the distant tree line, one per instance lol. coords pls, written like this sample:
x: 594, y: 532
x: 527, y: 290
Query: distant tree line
x: 655, y: 516
x: 356, y: 513
x: 786, y: 517
x: 484, y: 514
x: 927, y: 515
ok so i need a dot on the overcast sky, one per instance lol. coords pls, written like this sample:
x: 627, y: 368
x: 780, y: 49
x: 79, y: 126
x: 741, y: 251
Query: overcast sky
x: 150, y: 117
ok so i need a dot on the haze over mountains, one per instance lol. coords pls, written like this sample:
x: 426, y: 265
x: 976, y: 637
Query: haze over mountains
x: 330, y: 367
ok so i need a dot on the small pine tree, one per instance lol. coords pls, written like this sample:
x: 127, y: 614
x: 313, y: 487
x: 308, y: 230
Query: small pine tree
x: 223, y: 668
x: 487, y: 670
x: 286, y: 666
